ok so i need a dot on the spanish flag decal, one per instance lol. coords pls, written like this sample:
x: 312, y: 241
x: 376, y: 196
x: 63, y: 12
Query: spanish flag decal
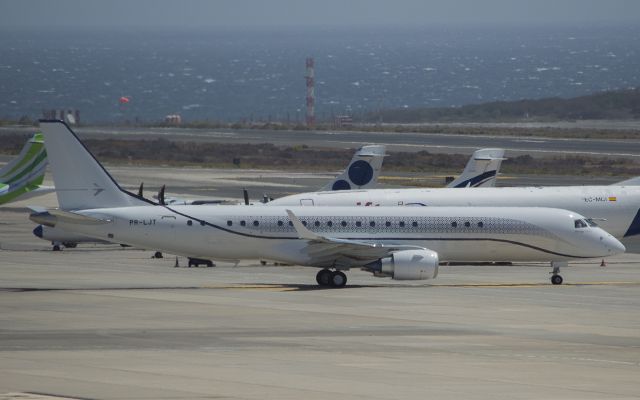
x: 613, y: 198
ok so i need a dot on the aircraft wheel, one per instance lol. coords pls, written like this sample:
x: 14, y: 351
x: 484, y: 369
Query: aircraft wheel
x: 338, y: 279
x: 556, y: 279
x: 323, y: 277
x: 56, y: 247
x: 157, y: 254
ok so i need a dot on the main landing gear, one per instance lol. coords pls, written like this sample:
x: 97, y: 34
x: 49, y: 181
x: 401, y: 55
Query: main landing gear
x: 336, y: 279
x: 556, y: 279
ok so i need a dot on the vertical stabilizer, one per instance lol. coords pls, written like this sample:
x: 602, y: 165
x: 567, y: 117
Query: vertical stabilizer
x: 25, y: 173
x: 362, y: 172
x: 481, y: 170
x: 81, y: 182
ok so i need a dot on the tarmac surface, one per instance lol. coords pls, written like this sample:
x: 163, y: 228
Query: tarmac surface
x: 105, y: 322
x: 406, y: 141
x: 395, y: 141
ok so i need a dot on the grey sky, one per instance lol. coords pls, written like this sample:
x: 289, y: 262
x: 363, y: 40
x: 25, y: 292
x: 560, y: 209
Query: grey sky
x: 275, y: 13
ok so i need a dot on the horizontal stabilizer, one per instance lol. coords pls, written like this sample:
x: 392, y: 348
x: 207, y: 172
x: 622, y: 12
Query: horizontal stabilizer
x: 54, y: 216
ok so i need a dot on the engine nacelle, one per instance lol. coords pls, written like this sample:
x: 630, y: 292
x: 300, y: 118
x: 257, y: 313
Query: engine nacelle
x: 407, y: 265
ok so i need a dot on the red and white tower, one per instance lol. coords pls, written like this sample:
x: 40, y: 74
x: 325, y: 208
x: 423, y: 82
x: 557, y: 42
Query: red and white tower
x: 311, y: 95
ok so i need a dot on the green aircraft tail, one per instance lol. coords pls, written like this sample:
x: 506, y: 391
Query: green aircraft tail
x: 25, y: 173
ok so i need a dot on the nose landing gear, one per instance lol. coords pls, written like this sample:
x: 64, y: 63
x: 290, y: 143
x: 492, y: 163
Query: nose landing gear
x: 556, y: 279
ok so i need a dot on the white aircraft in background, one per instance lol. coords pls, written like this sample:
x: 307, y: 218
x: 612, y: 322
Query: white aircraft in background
x: 615, y: 208
x: 399, y: 242
x: 22, y: 177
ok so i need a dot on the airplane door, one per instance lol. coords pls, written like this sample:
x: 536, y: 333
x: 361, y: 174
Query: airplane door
x: 169, y: 224
x: 306, y: 202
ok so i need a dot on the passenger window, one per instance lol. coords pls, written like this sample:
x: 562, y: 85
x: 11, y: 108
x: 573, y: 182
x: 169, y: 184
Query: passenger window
x: 242, y: 223
x: 480, y: 224
x: 304, y: 223
x: 414, y: 224
x: 372, y: 224
x: 579, y: 224
x: 290, y: 223
x: 317, y: 223
x: 256, y: 223
x: 329, y: 223
x: 467, y: 224
x: 229, y: 223
x: 401, y: 224
x: 387, y: 224
x: 358, y: 224
x: 280, y: 223
x: 343, y: 223
x: 454, y: 224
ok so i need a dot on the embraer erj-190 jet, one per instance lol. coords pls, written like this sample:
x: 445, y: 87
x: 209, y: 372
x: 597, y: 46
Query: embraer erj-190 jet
x: 398, y: 242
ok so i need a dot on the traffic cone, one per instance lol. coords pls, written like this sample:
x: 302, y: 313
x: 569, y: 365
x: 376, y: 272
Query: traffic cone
x: 603, y: 263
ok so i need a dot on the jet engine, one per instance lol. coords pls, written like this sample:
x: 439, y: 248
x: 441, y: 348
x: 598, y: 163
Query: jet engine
x: 406, y: 265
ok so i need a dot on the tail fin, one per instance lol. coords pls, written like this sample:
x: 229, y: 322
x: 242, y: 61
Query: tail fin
x: 362, y: 172
x: 24, y: 173
x: 81, y: 182
x: 481, y: 170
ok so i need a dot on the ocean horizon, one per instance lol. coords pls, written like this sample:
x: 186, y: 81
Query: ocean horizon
x: 231, y: 74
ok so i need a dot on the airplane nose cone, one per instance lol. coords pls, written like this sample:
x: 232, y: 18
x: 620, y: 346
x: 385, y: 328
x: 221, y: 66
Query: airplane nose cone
x: 38, y: 231
x: 613, y: 245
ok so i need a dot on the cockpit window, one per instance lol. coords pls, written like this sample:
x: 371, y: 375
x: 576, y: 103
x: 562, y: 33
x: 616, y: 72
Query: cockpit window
x: 591, y: 223
x: 580, y: 223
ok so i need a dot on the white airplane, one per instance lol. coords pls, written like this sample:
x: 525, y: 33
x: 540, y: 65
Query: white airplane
x: 399, y: 242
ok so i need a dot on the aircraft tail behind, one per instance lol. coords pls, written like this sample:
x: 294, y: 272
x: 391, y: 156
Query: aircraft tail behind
x: 81, y: 181
x: 481, y: 170
x: 362, y: 172
x: 25, y: 173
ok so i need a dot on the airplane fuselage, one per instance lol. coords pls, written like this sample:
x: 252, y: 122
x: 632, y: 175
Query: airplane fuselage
x: 455, y: 233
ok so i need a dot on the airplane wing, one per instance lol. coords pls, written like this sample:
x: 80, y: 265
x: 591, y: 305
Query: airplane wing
x: 343, y: 253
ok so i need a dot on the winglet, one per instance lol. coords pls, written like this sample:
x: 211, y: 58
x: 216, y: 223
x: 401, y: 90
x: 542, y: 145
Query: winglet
x: 302, y: 230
